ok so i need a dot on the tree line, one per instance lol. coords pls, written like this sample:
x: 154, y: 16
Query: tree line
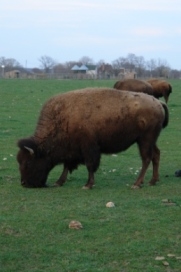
x: 142, y: 67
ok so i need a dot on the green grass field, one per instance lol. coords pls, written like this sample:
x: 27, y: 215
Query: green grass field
x: 34, y: 232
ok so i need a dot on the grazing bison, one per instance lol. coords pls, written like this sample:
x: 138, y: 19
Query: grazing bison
x: 134, y: 85
x: 78, y: 126
x: 161, y: 88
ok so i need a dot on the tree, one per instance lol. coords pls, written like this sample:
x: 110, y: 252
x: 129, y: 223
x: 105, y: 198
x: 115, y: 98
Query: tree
x: 163, y: 68
x: 118, y: 64
x: 140, y: 66
x: 70, y: 64
x: 151, y: 65
x: 9, y: 63
x: 47, y: 63
x: 132, y: 61
x: 86, y: 60
x: 175, y: 73
x: 129, y: 62
x: 100, y: 62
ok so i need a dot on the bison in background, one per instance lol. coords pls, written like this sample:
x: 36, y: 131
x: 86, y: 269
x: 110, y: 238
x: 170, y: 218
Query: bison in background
x: 161, y: 88
x: 134, y: 85
x: 78, y: 126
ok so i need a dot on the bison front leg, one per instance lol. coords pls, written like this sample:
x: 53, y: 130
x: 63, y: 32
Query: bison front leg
x: 90, y: 182
x: 91, y: 154
x: 155, y: 163
x: 165, y: 95
x: 62, y: 179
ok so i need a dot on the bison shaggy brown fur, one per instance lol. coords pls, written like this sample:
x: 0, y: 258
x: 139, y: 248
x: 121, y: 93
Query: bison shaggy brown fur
x: 78, y: 126
x: 161, y: 88
x: 134, y: 85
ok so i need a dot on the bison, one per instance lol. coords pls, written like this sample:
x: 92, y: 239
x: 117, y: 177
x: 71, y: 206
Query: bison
x: 78, y: 126
x: 161, y: 88
x: 134, y: 85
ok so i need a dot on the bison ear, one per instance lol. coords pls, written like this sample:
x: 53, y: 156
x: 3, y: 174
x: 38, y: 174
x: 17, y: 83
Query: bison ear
x: 29, y: 145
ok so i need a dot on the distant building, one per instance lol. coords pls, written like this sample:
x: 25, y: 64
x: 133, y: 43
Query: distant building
x: 105, y: 71
x: 127, y: 73
x: 12, y: 74
x: 79, y: 69
x: 21, y: 72
x: 84, y: 71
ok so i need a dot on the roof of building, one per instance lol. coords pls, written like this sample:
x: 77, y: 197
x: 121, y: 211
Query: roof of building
x: 79, y: 68
x: 75, y: 68
x: 83, y: 68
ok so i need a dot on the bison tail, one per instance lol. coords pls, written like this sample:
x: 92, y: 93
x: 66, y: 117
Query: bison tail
x: 166, y: 119
x: 170, y: 88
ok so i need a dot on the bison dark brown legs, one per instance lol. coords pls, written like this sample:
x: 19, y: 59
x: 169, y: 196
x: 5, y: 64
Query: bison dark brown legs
x: 22, y: 182
x: 63, y: 177
x: 91, y: 153
x: 155, y: 163
x: 148, y: 154
x: 90, y: 181
x: 140, y: 179
x: 166, y: 98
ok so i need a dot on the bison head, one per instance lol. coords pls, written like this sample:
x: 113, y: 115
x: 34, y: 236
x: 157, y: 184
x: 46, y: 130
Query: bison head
x: 34, y: 165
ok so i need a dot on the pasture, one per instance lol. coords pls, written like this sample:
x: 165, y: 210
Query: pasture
x: 144, y: 224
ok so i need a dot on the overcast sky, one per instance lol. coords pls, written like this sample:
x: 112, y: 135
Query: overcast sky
x: 100, y: 29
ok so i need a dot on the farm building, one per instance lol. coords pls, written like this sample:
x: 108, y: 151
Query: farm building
x: 105, y: 71
x: 82, y: 69
x: 127, y: 74
x: 20, y: 73
x: 87, y: 71
x: 12, y: 74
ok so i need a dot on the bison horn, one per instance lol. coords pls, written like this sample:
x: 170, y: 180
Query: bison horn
x: 29, y: 149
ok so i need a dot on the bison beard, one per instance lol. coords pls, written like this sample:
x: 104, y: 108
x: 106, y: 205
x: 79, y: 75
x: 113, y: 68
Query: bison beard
x: 77, y: 127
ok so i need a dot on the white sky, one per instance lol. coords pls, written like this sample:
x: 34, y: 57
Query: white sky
x: 100, y: 29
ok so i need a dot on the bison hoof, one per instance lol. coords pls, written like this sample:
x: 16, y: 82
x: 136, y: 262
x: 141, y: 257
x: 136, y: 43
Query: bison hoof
x: 152, y: 183
x: 135, y: 187
x: 57, y: 184
x: 86, y: 188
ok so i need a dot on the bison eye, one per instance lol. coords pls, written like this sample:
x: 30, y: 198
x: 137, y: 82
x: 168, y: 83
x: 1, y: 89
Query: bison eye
x: 28, y: 164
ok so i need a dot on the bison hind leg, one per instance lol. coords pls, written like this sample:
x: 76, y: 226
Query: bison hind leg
x: 145, y: 149
x: 155, y: 163
x: 149, y: 153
